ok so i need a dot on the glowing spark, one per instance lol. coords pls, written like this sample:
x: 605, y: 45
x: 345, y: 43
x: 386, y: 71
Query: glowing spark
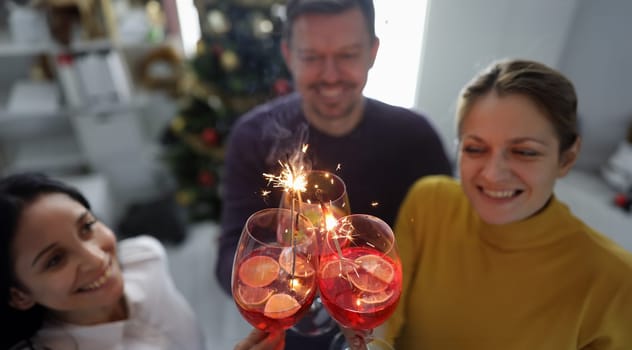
x: 346, y: 230
x: 293, y: 176
x: 265, y: 193
x: 338, y: 167
x: 295, y: 284
x: 330, y: 222
x: 290, y: 179
x: 375, y: 204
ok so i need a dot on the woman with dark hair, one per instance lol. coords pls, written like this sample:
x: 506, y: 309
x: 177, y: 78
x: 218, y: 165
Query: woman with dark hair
x: 68, y: 284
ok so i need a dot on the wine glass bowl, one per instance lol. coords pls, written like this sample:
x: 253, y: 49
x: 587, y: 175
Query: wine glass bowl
x: 360, y: 274
x: 274, y: 270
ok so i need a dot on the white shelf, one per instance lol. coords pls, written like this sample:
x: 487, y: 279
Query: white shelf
x: 100, y: 131
x: 14, y: 126
x: 45, y: 155
x: 6, y: 116
x: 9, y: 48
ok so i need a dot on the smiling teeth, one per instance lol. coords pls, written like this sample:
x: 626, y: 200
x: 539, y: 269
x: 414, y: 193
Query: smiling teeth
x: 98, y: 283
x: 499, y: 194
x: 333, y: 92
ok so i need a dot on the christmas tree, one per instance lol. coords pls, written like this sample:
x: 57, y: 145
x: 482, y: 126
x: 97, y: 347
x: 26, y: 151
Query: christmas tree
x: 238, y: 65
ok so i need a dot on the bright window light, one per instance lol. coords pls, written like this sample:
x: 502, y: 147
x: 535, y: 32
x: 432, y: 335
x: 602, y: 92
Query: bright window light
x: 399, y: 24
x: 189, y: 26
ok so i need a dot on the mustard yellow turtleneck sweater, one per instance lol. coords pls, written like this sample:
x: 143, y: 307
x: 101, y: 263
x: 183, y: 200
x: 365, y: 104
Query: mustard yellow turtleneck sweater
x: 547, y: 282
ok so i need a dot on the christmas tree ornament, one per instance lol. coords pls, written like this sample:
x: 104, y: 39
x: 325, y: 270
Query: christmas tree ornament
x: 215, y: 102
x: 624, y: 201
x: 160, y: 69
x: 178, y: 124
x: 200, y: 47
x: 217, y: 23
x: 206, y: 178
x: 187, y: 80
x: 282, y: 87
x: 261, y: 26
x: 184, y: 197
x: 217, y: 50
x: 210, y: 137
x: 229, y: 60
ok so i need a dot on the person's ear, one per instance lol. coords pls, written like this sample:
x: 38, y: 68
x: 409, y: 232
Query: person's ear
x: 569, y: 157
x: 374, y: 47
x: 285, y: 51
x: 20, y: 300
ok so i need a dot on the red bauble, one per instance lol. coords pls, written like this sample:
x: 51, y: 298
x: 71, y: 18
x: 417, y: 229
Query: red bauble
x: 210, y: 137
x: 217, y: 50
x: 282, y: 87
x: 623, y: 201
x: 206, y: 178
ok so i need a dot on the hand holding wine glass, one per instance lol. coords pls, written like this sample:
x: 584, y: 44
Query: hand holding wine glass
x: 360, y: 276
x: 274, y: 271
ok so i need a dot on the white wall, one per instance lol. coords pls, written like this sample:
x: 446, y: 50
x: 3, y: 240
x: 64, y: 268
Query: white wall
x: 598, y: 59
x: 464, y: 36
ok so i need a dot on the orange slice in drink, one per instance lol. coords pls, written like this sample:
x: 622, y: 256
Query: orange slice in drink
x: 336, y: 269
x: 373, y: 273
x: 377, y: 266
x: 302, y: 268
x: 258, y: 271
x: 376, y: 298
x: 281, y: 306
x: 253, y: 296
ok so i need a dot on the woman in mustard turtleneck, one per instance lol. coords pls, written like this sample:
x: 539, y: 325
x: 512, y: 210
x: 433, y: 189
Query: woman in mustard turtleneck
x: 494, y: 260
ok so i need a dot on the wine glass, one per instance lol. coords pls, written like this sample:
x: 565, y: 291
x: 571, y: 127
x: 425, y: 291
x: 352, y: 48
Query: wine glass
x: 324, y: 200
x: 360, y: 275
x: 274, y: 271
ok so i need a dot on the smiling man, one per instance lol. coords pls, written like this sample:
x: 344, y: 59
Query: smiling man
x: 377, y: 149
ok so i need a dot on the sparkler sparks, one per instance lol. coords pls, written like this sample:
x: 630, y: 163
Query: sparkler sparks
x: 293, y: 176
x: 346, y: 230
x: 330, y: 222
x: 291, y: 179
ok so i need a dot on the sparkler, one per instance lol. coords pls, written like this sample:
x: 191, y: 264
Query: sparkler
x: 293, y: 180
x: 330, y: 222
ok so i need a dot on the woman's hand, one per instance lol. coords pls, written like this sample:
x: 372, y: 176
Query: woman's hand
x: 358, y: 340
x: 355, y: 339
x: 259, y: 340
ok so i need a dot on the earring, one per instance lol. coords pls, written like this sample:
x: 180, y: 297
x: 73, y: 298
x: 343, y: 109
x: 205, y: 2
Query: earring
x: 20, y: 300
